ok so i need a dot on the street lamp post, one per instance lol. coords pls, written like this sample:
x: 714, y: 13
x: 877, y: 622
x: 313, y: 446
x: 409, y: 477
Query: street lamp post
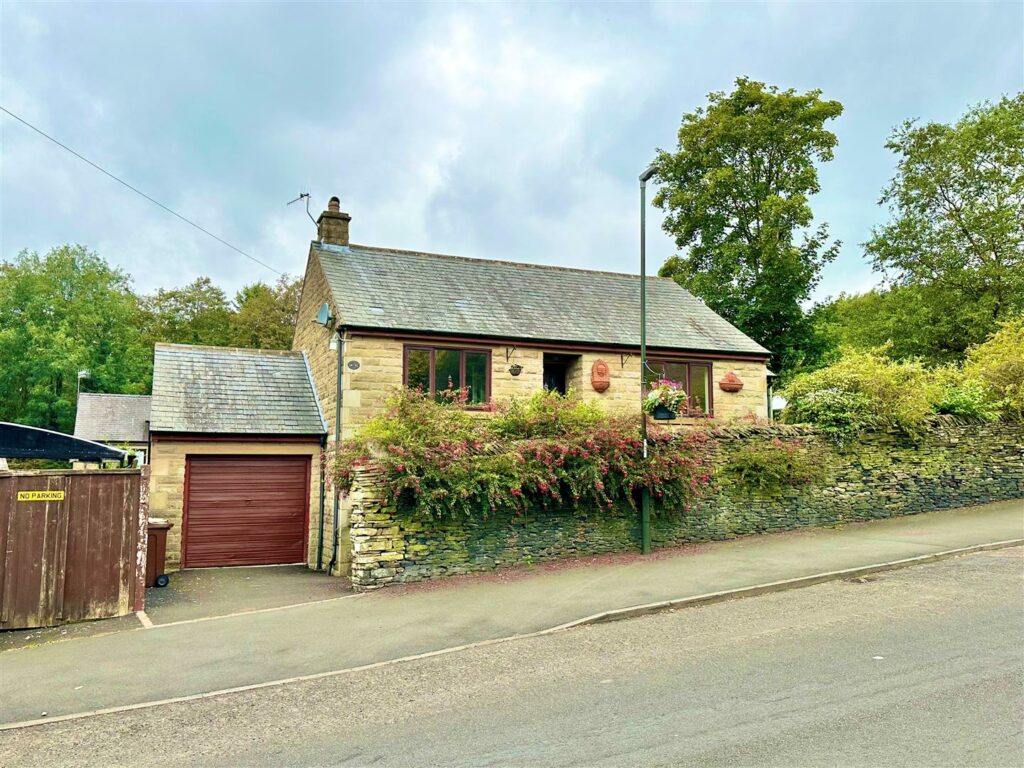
x: 645, y: 500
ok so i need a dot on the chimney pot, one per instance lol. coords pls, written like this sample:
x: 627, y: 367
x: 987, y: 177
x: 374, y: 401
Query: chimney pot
x: 332, y: 226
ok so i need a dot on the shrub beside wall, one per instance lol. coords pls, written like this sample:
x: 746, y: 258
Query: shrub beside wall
x: 879, y: 474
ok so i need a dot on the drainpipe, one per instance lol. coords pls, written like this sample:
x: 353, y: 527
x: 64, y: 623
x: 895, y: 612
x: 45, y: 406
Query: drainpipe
x: 323, y: 497
x: 337, y: 442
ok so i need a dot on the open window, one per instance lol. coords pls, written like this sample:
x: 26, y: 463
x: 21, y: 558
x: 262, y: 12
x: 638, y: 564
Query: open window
x: 694, y: 377
x: 559, y: 372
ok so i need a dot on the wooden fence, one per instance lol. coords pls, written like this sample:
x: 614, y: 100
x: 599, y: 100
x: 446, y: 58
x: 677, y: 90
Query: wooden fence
x: 72, y: 545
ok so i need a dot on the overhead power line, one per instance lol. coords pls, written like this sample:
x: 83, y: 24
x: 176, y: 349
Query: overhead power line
x: 139, y: 192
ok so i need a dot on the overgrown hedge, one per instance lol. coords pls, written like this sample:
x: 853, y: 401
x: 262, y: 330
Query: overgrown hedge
x: 439, y: 462
x: 868, y: 390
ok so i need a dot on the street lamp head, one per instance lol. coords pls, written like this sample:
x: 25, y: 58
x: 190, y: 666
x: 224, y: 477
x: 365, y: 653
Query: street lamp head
x: 648, y: 174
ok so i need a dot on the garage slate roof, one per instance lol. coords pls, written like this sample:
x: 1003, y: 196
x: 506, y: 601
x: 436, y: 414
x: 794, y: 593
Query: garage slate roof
x: 109, y: 418
x: 233, y: 391
x: 406, y: 290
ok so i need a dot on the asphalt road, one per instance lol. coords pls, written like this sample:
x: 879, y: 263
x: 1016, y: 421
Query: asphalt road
x: 923, y: 666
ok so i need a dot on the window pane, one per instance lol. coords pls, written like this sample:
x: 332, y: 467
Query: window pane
x: 446, y: 372
x: 476, y: 377
x: 663, y: 370
x: 699, y: 375
x: 419, y: 369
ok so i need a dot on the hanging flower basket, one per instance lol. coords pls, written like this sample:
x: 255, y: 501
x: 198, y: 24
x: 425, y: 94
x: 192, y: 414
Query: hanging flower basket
x: 665, y: 400
x: 663, y: 413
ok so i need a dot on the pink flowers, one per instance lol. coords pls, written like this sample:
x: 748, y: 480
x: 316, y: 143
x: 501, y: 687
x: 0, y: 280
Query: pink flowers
x: 442, y: 464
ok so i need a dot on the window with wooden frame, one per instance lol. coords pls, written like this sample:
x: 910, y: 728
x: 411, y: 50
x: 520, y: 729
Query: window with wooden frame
x: 695, y: 379
x: 443, y: 371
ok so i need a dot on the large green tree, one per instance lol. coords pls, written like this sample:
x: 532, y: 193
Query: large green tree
x: 912, y: 321
x: 264, y: 316
x: 62, y: 313
x: 198, y: 313
x: 736, y: 193
x: 957, y: 226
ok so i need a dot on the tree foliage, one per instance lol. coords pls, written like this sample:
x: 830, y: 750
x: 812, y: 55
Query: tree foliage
x: 998, y: 364
x: 69, y: 311
x: 957, y: 227
x: 737, y: 194
x: 911, y: 321
x: 61, y: 313
x: 197, y: 313
x: 264, y: 316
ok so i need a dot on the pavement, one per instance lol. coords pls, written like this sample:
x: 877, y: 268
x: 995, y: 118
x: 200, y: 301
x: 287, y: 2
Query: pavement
x: 916, y: 667
x: 212, y: 654
x: 201, y: 593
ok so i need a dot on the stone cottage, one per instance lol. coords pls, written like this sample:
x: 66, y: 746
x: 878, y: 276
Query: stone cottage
x: 373, y: 319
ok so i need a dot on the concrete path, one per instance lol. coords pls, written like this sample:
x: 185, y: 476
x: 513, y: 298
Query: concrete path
x: 207, y: 592
x: 182, y: 659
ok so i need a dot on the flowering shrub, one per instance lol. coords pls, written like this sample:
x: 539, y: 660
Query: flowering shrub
x: 770, y: 465
x: 547, y: 452
x: 667, y: 393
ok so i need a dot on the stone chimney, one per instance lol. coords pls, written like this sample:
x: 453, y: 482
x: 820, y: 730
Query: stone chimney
x: 332, y: 226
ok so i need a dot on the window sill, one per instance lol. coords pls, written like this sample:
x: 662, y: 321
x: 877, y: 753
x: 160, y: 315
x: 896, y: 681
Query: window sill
x: 684, y: 417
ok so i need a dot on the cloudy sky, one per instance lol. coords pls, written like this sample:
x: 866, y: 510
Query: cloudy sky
x: 500, y: 131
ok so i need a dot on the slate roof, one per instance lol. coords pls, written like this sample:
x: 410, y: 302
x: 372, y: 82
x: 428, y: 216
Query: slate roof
x: 233, y: 391
x: 410, y: 291
x: 112, y: 418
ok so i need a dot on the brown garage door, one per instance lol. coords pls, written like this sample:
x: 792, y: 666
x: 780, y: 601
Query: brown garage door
x: 245, y: 510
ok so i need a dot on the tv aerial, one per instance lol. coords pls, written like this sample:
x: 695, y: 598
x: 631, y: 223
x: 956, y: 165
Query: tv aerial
x: 304, y: 196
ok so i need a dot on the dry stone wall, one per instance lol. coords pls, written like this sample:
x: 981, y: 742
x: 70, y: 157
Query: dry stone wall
x: 881, y: 475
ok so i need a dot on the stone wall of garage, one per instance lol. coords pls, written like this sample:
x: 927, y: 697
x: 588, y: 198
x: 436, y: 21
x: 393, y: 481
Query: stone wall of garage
x: 167, y: 481
x: 880, y: 475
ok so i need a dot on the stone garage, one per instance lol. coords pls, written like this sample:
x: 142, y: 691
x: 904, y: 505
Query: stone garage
x: 237, y: 437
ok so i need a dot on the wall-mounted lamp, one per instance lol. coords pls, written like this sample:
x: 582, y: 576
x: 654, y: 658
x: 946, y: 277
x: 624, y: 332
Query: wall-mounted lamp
x: 515, y: 369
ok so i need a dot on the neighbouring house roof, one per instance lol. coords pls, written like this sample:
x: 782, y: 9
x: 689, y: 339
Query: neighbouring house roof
x: 233, y: 391
x: 410, y: 291
x: 108, y: 418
